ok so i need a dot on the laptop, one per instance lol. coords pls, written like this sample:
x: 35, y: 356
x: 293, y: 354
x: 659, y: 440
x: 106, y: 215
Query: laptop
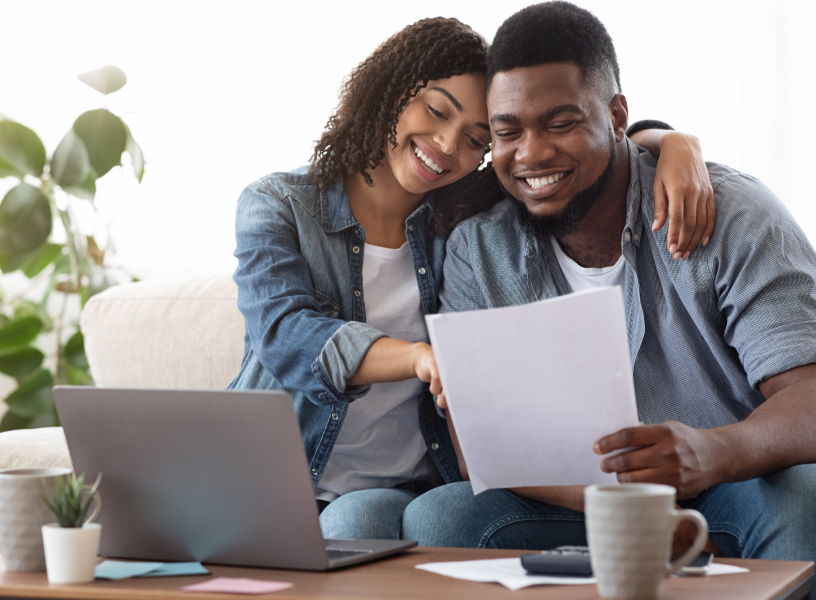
x: 208, y: 476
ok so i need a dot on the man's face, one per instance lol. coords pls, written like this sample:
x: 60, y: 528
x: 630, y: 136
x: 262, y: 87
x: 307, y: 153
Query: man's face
x: 551, y: 134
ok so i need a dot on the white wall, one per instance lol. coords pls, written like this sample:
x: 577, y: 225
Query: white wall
x: 221, y: 93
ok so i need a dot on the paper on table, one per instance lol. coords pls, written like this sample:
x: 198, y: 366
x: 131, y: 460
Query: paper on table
x: 238, y: 585
x: 722, y: 569
x: 510, y: 573
x: 177, y: 569
x: 530, y: 388
x: 506, y: 571
x: 117, y: 569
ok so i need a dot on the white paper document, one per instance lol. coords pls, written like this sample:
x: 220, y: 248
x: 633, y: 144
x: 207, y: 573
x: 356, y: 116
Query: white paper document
x: 530, y: 388
x: 506, y: 571
x: 510, y: 573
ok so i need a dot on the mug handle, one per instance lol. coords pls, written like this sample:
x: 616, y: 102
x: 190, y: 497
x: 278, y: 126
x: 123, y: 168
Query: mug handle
x: 697, y: 546
x: 97, y: 506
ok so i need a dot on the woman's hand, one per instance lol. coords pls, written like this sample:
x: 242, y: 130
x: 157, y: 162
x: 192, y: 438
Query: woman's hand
x: 682, y: 190
x: 425, y: 367
x: 441, y: 402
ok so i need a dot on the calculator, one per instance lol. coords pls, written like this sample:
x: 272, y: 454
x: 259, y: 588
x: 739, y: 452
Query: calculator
x: 573, y: 561
x: 570, y: 561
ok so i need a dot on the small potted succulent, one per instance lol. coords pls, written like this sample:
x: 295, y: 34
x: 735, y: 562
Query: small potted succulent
x: 72, y: 543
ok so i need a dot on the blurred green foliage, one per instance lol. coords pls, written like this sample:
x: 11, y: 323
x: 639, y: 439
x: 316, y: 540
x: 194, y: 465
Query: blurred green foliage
x: 68, y: 263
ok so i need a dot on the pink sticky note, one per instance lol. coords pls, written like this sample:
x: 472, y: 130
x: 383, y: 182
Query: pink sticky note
x: 237, y: 585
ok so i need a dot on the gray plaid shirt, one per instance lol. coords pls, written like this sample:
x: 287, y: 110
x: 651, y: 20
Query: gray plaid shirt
x: 703, y: 333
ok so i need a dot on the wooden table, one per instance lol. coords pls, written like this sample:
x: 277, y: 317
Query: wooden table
x: 397, y: 579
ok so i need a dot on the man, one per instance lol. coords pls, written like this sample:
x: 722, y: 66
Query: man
x: 722, y: 345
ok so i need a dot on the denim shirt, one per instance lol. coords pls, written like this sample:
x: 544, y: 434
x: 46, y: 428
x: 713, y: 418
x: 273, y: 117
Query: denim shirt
x: 300, y: 289
x: 703, y: 333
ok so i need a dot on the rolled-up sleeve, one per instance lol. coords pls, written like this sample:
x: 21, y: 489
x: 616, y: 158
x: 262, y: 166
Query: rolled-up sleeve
x: 765, y: 276
x: 302, y: 348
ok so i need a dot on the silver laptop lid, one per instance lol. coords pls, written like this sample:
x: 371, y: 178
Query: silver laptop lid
x: 216, y: 476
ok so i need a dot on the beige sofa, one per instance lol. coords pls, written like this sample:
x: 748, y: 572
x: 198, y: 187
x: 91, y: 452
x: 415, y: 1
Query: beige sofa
x: 162, y: 334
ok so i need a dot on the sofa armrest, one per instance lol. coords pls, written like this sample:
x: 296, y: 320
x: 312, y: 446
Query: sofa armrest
x: 34, y: 448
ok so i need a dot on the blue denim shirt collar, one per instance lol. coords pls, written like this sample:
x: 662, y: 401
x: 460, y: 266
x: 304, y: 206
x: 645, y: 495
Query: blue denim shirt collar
x: 337, y: 213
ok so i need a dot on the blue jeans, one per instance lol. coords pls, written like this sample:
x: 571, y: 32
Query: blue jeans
x: 374, y: 514
x: 772, y: 518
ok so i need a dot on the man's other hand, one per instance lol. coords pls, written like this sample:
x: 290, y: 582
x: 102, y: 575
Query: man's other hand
x: 670, y: 453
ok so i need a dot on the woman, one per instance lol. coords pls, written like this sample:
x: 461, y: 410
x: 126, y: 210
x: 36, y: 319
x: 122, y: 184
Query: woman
x: 338, y: 266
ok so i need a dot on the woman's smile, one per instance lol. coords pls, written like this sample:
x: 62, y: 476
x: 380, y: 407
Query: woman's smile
x: 428, y: 164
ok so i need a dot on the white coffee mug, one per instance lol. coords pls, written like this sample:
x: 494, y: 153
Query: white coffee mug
x: 629, y: 530
x: 23, y: 513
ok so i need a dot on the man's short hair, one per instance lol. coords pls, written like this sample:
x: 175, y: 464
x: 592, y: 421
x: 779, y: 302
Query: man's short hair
x: 556, y: 32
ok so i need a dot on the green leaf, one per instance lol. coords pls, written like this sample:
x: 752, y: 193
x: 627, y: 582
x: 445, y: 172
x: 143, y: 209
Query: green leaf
x: 106, y: 80
x: 19, y: 332
x: 136, y: 156
x: 33, y: 398
x: 13, y: 421
x: 74, y: 345
x: 44, y: 420
x: 104, y: 136
x: 41, y: 259
x: 85, y: 190
x: 25, y: 220
x: 12, y: 262
x: 70, y: 163
x: 21, y: 148
x: 77, y: 376
x: 20, y: 363
x: 6, y: 170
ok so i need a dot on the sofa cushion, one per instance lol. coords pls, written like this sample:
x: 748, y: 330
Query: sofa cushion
x: 34, y: 448
x: 165, y: 334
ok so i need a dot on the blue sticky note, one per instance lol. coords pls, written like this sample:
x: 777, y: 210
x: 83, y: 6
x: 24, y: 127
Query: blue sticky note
x: 115, y: 569
x: 175, y: 569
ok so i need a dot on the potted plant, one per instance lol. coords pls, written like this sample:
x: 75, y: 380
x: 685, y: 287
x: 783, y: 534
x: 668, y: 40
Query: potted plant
x: 72, y: 543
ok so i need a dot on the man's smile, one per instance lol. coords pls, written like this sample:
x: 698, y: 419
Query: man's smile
x: 538, y: 185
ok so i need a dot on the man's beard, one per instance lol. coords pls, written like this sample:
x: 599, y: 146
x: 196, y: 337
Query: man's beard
x: 567, y: 221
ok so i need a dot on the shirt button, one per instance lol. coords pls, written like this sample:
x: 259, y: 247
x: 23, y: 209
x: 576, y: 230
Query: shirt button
x: 410, y: 227
x: 356, y: 249
x: 434, y: 446
x: 314, y: 471
x: 627, y: 236
x: 357, y: 293
x: 335, y: 416
x: 422, y: 271
x: 360, y: 230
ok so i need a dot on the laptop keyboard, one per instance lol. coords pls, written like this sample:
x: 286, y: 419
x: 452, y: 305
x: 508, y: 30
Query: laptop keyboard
x: 335, y: 554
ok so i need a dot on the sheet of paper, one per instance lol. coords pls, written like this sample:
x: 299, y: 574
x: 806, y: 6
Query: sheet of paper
x: 510, y: 573
x: 530, y: 388
x: 506, y: 571
x: 117, y: 569
x: 177, y: 569
x: 722, y: 569
x: 236, y: 585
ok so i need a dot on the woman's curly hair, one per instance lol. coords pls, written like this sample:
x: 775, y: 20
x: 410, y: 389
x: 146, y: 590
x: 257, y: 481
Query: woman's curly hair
x: 378, y: 89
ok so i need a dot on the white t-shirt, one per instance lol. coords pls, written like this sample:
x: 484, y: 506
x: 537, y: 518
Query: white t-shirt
x: 380, y: 444
x: 583, y: 278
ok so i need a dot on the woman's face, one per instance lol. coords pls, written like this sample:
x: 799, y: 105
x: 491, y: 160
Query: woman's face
x: 441, y: 134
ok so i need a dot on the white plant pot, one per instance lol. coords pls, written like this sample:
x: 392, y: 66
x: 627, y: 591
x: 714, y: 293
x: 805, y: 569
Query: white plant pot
x: 70, y: 552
